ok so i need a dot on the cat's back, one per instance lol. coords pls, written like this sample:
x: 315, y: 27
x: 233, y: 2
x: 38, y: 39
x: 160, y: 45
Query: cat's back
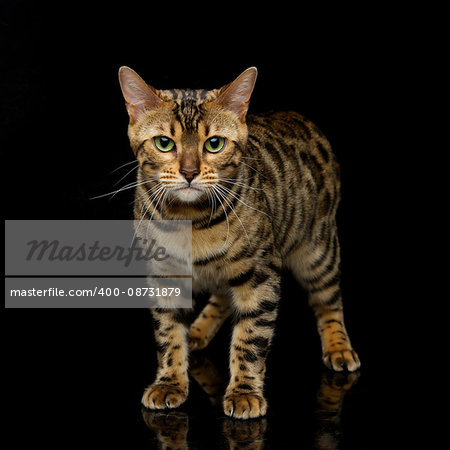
x: 296, y: 169
x: 286, y: 123
x: 288, y: 144
x: 291, y: 131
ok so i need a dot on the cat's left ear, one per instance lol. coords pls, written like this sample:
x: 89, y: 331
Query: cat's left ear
x: 236, y: 95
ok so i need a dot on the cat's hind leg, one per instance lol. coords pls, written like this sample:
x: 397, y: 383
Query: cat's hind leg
x: 316, y: 266
x: 208, y: 323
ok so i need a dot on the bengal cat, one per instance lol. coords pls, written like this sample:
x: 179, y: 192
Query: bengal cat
x: 261, y: 192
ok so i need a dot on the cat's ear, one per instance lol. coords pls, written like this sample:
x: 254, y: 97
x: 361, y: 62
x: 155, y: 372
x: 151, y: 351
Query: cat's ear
x: 139, y: 96
x: 236, y: 95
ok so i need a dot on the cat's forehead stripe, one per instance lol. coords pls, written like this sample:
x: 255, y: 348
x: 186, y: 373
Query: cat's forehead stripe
x: 188, y: 113
x: 187, y: 109
x: 191, y: 115
x: 179, y: 95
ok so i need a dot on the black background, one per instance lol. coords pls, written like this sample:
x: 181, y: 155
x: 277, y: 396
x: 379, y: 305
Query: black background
x: 76, y: 376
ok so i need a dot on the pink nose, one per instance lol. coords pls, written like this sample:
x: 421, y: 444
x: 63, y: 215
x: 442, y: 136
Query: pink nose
x: 189, y: 174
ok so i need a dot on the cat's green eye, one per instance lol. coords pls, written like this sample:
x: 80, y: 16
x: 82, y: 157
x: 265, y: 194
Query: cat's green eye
x: 215, y: 144
x: 164, y: 144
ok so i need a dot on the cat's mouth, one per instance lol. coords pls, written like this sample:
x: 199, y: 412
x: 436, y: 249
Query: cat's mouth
x: 188, y: 193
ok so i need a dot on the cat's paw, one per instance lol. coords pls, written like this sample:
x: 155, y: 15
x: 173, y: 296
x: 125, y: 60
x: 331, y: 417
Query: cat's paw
x: 163, y: 396
x: 197, y: 339
x: 244, y: 406
x: 197, y: 343
x: 342, y: 360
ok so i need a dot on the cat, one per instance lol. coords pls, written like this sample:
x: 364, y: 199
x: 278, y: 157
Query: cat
x: 261, y: 192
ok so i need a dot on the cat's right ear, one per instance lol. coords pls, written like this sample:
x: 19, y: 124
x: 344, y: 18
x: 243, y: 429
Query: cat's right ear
x: 139, y: 96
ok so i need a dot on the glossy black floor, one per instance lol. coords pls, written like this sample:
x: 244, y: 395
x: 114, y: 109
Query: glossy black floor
x: 77, y: 376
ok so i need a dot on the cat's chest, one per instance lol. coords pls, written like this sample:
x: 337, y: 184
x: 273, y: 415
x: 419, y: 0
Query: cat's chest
x: 209, y: 255
x: 210, y: 278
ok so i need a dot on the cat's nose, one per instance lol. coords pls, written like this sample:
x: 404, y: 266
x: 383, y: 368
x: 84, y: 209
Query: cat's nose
x: 189, y: 174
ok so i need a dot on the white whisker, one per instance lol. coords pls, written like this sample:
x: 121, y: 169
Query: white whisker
x: 234, y: 212
x: 124, y: 165
x: 157, y: 188
x: 251, y: 167
x: 123, y: 188
x: 151, y: 202
x: 212, y: 201
x: 225, y: 211
x: 250, y: 157
x: 160, y: 194
x: 238, y: 183
x: 144, y: 195
x: 134, y: 168
x: 228, y: 190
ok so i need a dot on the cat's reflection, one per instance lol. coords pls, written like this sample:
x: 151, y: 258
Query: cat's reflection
x: 206, y: 374
x: 248, y: 434
x: 330, y: 397
x: 171, y: 427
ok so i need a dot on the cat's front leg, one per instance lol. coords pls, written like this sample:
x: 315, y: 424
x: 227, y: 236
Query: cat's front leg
x: 170, y: 388
x: 255, y: 299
